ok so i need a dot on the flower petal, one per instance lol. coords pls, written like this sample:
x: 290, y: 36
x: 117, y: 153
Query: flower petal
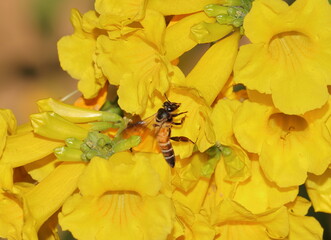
x: 119, y: 194
x: 126, y: 10
x: 222, y: 117
x: 122, y: 172
x: 42, y: 208
x: 319, y: 191
x: 26, y: 148
x: 7, y: 125
x: 215, y: 65
x: 174, y: 7
x: 251, y: 132
x: 78, y: 63
x: 295, y: 50
x: 303, y: 227
x: 177, y: 39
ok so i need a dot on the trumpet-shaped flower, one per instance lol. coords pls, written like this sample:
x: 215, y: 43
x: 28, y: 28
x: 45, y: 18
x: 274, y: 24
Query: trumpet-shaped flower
x: 39, y: 208
x: 284, y: 142
x: 289, y: 53
x: 123, y: 196
x: 216, y: 66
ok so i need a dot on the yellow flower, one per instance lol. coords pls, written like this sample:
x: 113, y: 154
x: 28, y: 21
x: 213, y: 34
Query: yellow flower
x: 216, y: 67
x: 190, y: 225
x: 41, y: 168
x: 289, y: 53
x: 173, y: 7
x: 181, y: 26
x: 237, y: 163
x: 137, y: 63
x: 301, y: 226
x: 26, y: 147
x: 319, y: 191
x: 233, y: 221
x: 284, y: 142
x: 191, y: 179
x: 125, y: 11
x: 39, y: 208
x: 263, y: 194
x: 196, y: 125
x: 77, y: 53
x: 123, y: 196
x: 7, y: 126
x: 11, y: 217
x: 109, y: 20
x: 190, y: 184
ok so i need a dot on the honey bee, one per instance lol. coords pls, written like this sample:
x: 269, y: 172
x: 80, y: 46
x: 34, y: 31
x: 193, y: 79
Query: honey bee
x: 163, y: 121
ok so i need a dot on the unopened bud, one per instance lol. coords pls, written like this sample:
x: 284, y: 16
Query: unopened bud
x: 68, y: 154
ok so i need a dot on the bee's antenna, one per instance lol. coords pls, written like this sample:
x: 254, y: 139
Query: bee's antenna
x: 167, y: 98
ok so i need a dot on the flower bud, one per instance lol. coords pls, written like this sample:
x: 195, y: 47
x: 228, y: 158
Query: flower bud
x: 73, y: 142
x: 51, y: 125
x: 68, y: 154
x: 76, y: 114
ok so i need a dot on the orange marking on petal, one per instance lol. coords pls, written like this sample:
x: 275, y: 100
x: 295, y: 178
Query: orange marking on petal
x: 93, y: 103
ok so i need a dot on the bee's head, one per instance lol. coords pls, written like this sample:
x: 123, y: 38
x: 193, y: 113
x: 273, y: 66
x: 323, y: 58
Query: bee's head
x: 170, y: 106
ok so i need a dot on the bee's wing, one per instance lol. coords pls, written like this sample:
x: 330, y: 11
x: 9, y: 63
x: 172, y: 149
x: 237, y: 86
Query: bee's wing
x: 146, y: 131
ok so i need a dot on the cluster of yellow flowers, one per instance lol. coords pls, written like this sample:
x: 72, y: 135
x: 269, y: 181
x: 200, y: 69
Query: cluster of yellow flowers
x: 258, y: 115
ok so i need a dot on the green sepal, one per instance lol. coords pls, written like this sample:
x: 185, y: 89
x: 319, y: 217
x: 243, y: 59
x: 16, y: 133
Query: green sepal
x: 214, y: 157
x: 96, y: 144
x: 52, y: 125
x: 68, y: 154
x: 236, y: 163
x: 112, y: 107
x: 111, y: 117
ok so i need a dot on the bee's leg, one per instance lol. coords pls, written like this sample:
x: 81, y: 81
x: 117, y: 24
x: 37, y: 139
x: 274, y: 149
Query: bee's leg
x: 181, y: 139
x: 177, y: 114
x: 179, y: 123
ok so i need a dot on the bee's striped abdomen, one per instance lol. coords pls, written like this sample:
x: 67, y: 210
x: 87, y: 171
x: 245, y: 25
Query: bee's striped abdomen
x: 168, y: 152
x: 163, y: 139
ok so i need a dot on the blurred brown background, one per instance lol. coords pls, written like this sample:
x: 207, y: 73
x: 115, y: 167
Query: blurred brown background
x: 29, y: 67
